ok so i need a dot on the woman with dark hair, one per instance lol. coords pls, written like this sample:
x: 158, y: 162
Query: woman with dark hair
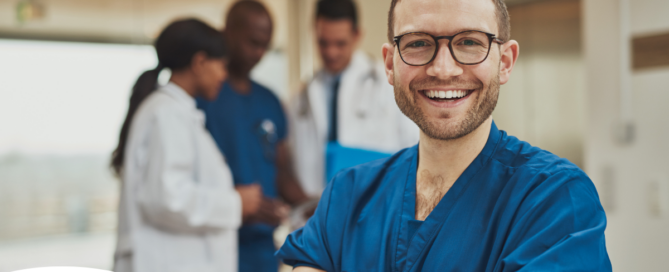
x: 178, y: 210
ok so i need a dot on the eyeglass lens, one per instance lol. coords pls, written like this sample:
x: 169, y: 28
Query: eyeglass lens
x: 468, y: 47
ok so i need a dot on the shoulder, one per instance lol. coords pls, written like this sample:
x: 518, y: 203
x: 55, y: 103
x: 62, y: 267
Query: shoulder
x: 539, y: 172
x: 161, y: 108
x: 264, y: 92
x: 518, y: 154
x: 360, y: 65
x: 157, y: 102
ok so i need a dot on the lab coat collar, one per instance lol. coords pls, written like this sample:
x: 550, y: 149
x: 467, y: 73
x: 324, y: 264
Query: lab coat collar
x: 323, y: 79
x: 328, y: 78
x: 359, y: 61
x: 179, y: 94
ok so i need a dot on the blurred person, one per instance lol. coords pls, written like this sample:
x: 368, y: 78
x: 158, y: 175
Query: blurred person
x: 468, y: 197
x: 248, y: 124
x: 178, y: 210
x: 347, y: 114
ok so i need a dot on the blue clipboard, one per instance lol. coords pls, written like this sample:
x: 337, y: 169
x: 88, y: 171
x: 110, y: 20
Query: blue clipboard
x: 339, y: 157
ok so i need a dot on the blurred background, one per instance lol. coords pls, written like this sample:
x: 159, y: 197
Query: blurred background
x: 591, y: 85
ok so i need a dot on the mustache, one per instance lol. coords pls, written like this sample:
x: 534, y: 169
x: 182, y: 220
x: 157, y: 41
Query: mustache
x: 431, y: 82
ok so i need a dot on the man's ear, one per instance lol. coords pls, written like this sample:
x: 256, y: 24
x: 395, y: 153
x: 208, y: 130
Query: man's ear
x: 358, y: 35
x: 508, y: 55
x: 388, y: 53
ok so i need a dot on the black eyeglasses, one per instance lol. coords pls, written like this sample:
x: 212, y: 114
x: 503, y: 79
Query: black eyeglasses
x: 468, y: 47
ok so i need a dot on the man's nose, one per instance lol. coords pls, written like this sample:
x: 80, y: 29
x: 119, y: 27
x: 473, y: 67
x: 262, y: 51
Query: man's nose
x: 332, y: 51
x: 444, y: 65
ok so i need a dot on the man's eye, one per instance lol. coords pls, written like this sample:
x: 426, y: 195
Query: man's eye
x: 469, y: 42
x: 418, y: 44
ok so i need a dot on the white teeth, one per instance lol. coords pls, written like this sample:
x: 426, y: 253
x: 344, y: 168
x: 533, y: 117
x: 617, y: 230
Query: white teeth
x: 445, y: 94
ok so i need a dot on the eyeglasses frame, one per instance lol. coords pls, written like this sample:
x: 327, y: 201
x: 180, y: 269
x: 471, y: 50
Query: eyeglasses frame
x: 491, y: 37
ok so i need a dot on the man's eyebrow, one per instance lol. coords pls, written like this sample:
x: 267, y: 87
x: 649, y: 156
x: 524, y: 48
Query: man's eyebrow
x: 452, y: 32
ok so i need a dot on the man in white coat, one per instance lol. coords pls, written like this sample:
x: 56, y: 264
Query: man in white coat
x: 348, y: 102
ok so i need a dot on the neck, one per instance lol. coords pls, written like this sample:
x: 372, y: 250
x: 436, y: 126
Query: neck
x: 240, y: 82
x: 449, y: 158
x: 185, y: 81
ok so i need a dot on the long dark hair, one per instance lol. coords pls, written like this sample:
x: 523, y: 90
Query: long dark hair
x: 175, y: 47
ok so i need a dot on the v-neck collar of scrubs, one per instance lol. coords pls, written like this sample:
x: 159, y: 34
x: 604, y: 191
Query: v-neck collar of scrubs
x: 415, y: 237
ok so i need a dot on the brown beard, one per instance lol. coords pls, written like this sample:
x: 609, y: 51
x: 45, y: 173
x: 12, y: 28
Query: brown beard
x: 483, y: 107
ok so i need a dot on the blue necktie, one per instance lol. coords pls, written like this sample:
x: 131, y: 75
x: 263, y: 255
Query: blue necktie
x: 332, y: 132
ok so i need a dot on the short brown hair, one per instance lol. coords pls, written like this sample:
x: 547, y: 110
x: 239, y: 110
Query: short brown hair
x: 503, y: 21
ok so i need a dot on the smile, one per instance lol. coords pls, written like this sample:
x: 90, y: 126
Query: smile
x: 450, y: 95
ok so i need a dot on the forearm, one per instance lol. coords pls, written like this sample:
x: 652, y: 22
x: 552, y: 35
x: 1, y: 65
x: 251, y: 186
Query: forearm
x: 289, y: 187
x: 290, y: 190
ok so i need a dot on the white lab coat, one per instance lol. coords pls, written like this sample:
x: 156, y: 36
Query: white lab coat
x: 368, y: 118
x: 179, y: 211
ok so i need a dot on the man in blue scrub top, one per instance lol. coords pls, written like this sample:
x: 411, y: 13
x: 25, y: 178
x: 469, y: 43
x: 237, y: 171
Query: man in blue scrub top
x: 469, y: 197
x: 248, y: 124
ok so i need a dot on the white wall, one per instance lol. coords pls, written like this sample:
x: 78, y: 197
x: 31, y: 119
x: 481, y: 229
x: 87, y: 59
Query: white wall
x: 631, y: 177
x: 543, y: 103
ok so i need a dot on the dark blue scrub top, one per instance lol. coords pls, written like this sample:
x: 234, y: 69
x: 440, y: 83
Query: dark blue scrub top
x: 246, y: 129
x: 515, y: 208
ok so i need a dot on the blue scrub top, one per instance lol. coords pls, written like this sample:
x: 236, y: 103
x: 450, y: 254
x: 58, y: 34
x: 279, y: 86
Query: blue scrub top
x: 246, y: 128
x: 515, y: 208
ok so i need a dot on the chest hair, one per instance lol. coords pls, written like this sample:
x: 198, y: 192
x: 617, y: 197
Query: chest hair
x: 430, y: 189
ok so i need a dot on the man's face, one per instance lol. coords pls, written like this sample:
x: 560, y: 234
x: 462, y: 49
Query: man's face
x: 248, y: 44
x: 452, y: 118
x: 337, y: 39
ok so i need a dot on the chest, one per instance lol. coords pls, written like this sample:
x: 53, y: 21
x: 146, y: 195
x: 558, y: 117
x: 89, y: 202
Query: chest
x: 367, y: 115
x: 247, y: 129
x: 456, y: 244
x: 430, y: 189
x: 246, y: 124
x: 466, y: 229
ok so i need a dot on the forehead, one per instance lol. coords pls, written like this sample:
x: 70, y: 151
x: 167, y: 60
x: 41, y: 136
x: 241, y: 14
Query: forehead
x: 256, y: 25
x: 334, y: 28
x: 444, y: 17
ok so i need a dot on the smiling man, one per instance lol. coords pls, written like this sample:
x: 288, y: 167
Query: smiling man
x: 469, y: 197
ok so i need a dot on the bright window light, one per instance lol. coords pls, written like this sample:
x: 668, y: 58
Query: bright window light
x: 64, y: 97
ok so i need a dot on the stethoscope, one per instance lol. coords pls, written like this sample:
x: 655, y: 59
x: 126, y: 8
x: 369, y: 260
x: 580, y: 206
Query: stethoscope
x: 266, y: 131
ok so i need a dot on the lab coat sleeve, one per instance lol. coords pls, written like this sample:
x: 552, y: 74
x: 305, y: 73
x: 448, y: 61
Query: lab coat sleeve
x: 309, y: 245
x: 559, y: 227
x: 172, y: 197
